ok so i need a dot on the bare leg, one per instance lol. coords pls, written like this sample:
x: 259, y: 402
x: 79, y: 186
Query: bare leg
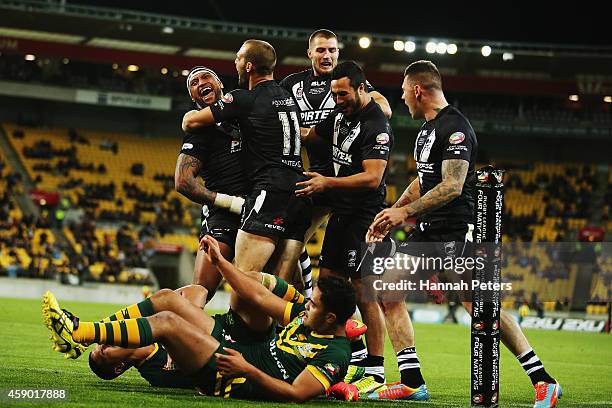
x: 168, y: 300
x: 399, y: 325
x: 373, y: 318
x: 252, y: 251
x: 189, y: 347
x: 288, y: 251
x: 206, y: 274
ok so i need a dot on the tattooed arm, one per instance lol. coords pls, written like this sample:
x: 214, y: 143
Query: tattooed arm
x: 454, y: 172
x: 185, y: 182
x: 412, y: 193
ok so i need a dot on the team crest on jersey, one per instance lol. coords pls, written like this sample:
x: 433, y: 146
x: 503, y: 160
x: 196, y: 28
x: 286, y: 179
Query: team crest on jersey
x: 456, y: 138
x: 352, y: 257
x: 227, y: 98
x: 383, y: 138
x: 299, y: 93
x: 187, y: 146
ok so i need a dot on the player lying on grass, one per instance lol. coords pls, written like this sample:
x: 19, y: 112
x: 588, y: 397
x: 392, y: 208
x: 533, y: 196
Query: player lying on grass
x: 301, y: 362
x: 153, y: 362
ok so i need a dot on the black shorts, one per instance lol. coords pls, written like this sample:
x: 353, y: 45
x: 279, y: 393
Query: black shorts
x: 276, y: 214
x: 220, y: 224
x: 343, y: 243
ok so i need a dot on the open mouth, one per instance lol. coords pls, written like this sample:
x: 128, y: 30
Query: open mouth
x: 205, y: 91
x: 326, y: 64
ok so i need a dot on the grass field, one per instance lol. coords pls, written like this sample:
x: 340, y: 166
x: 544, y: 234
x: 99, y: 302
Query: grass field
x: 582, y: 363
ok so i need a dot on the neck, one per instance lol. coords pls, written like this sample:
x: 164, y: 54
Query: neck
x: 437, y: 103
x: 254, y: 80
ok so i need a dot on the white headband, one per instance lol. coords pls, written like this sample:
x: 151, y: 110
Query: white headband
x: 198, y: 70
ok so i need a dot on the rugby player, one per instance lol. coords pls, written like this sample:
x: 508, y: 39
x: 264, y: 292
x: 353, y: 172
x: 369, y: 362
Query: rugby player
x: 214, y: 154
x: 273, y: 217
x: 303, y: 361
x: 441, y: 198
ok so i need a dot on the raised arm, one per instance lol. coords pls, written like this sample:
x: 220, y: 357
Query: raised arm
x: 242, y: 284
x: 382, y: 102
x: 196, y: 119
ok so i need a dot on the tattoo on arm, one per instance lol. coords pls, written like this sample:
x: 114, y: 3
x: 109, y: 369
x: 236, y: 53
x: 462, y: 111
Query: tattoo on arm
x: 186, y: 183
x: 412, y: 193
x: 454, y: 172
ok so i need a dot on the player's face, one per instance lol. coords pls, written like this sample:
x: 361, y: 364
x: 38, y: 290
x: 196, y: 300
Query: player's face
x: 112, y: 359
x: 204, y: 89
x: 243, y: 75
x: 410, y: 99
x: 323, y: 52
x: 315, y: 311
x: 347, y: 99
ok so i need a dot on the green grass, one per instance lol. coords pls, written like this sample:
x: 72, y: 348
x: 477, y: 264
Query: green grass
x: 581, y: 362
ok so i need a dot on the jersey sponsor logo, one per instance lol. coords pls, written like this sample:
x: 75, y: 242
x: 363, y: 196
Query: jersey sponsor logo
x: 456, y: 138
x: 425, y: 167
x: 236, y: 146
x: 187, y: 146
x: 341, y: 158
x: 278, y: 221
x: 227, y: 98
x: 314, y: 116
x: 318, y: 83
x: 332, y: 369
x: 316, y: 91
x: 283, y: 102
x: 383, y: 138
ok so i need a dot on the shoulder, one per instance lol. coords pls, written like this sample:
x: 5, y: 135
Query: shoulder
x: 454, y: 119
x: 375, y: 120
x: 294, y: 78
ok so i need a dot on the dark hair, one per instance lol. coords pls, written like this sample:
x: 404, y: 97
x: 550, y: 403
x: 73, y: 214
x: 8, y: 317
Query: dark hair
x: 321, y: 33
x: 338, y: 297
x: 425, y: 73
x: 352, y: 71
x: 105, y: 373
x: 262, y: 55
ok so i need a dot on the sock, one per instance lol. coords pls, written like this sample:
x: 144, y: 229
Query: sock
x: 142, y: 309
x: 409, y: 367
x: 375, y: 367
x: 130, y: 333
x: 359, y: 352
x: 306, y: 273
x: 282, y: 289
x: 534, y: 367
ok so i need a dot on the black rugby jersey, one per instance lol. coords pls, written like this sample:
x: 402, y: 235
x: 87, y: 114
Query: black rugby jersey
x: 312, y: 94
x: 270, y: 130
x: 448, y: 136
x: 367, y: 135
x: 219, y: 149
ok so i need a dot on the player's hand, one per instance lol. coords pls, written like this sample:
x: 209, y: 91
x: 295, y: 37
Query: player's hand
x: 232, y: 364
x: 211, y: 246
x: 316, y: 184
x: 384, y: 222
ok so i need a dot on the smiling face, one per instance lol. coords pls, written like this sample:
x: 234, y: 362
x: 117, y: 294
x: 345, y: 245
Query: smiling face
x: 205, y: 89
x: 323, y: 52
x: 347, y: 99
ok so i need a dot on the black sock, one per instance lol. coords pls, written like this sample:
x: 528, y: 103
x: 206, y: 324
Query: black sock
x: 358, y: 351
x: 375, y: 367
x: 534, y: 367
x: 409, y: 367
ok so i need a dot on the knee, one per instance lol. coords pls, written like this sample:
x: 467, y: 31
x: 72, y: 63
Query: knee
x: 167, y: 321
x: 391, y: 308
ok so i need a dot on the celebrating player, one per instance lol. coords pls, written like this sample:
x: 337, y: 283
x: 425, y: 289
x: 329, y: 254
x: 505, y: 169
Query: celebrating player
x: 268, y: 117
x: 214, y: 154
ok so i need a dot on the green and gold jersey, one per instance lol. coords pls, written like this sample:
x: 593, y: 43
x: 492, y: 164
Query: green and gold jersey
x: 286, y: 355
x: 154, y: 369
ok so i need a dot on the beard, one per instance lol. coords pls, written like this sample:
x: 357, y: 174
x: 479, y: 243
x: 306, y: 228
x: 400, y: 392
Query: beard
x: 243, y: 79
